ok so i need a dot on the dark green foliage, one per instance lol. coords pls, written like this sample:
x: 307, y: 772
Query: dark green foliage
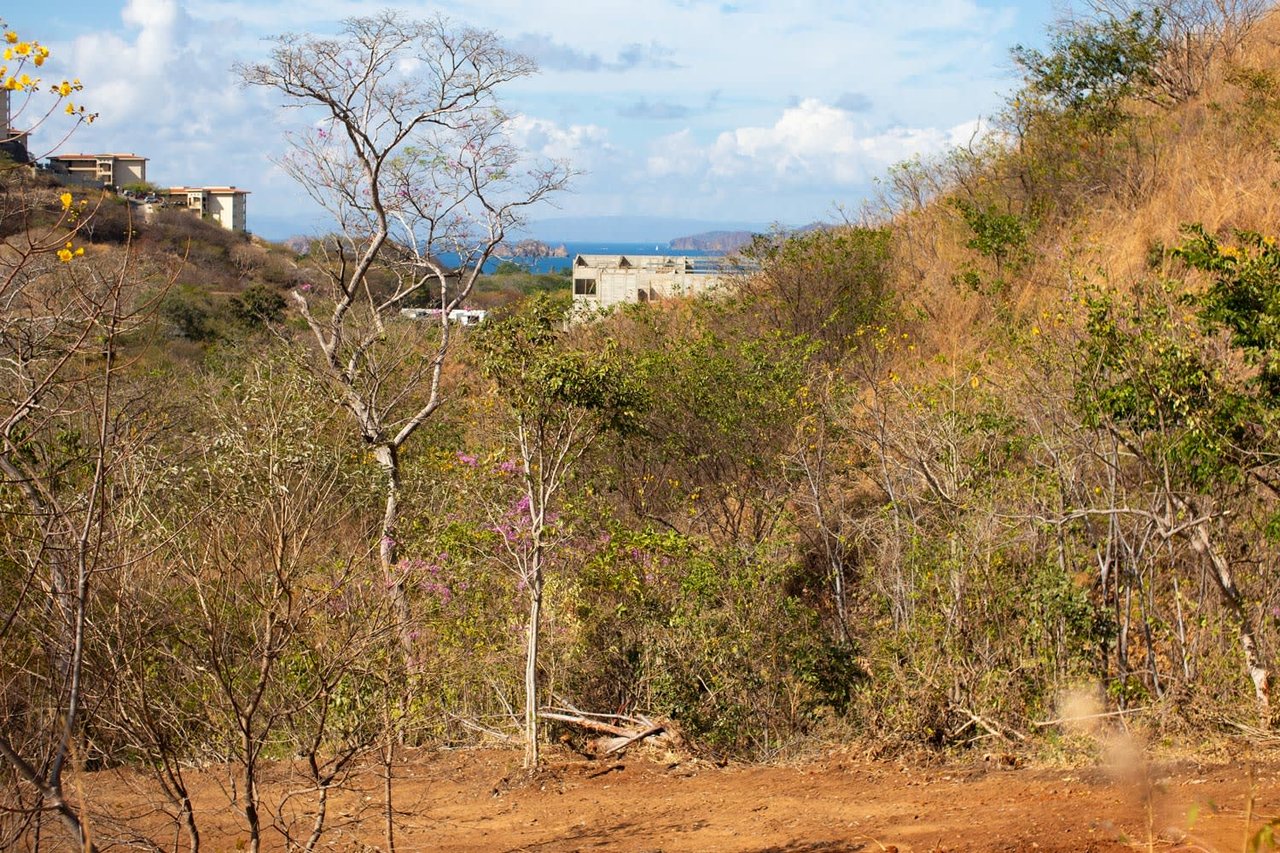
x: 257, y: 306
x: 191, y: 313
x: 1148, y: 375
x: 824, y: 284
x: 545, y: 381
x: 706, y: 635
x: 1243, y: 298
x: 1001, y: 236
x: 1091, y: 68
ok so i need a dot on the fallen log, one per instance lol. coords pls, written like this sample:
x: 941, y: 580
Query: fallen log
x: 619, y: 736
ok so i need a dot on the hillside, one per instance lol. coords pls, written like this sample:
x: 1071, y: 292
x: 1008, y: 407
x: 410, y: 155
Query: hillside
x: 987, y: 483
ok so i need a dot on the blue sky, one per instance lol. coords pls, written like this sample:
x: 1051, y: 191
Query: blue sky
x: 738, y: 111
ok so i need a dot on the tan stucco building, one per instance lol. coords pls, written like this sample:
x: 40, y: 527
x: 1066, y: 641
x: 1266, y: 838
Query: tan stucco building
x: 108, y: 170
x: 224, y: 205
x: 602, y: 281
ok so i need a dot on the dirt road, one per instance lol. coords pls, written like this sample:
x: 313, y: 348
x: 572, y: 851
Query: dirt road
x: 477, y: 800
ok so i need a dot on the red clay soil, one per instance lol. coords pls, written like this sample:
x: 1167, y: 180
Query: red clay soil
x: 478, y: 800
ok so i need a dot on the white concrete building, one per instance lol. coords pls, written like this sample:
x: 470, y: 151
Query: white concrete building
x: 224, y: 205
x: 108, y: 170
x: 602, y: 281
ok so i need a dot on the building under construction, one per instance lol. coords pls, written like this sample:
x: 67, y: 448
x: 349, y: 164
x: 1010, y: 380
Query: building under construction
x: 602, y: 281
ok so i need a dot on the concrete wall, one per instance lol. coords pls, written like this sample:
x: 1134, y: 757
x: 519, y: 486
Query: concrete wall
x: 128, y: 172
x: 605, y: 281
x: 227, y: 209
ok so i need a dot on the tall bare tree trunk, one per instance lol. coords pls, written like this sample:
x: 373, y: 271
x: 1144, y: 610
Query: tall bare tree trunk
x: 388, y: 459
x: 531, y: 657
x: 1234, y: 602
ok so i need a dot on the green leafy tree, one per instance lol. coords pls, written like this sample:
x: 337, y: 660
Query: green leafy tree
x: 1002, y: 236
x: 1200, y: 432
x: 560, y: 399
x: 1091, y: 68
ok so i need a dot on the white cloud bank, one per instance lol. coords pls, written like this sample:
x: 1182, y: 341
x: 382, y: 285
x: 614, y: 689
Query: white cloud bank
x: 810, y: 142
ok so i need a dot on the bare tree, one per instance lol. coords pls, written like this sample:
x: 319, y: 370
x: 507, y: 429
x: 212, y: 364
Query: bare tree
x: 410, y: 155
x: 62, y: 440
x: 63, y: 437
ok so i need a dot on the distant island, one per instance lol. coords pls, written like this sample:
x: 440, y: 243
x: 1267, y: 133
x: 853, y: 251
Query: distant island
x: 732, y: 241
x: 713, y: 241
x: 533, y: 249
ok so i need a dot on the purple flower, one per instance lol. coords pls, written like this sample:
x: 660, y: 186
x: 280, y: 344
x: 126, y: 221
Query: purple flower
x: 467, y: 459
x: 507, y: 467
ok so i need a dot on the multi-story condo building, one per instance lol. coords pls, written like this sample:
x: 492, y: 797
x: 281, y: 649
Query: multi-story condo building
x: 106, y: 170
x: 224, y: 205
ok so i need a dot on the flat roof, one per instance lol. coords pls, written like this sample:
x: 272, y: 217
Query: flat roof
x: 120, y: 156
x: 235, y: 190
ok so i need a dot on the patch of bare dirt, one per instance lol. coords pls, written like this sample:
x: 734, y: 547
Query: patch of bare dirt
x: 479, y: 800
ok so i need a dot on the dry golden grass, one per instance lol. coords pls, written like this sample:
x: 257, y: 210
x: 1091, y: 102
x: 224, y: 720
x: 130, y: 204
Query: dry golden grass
x: 1213, y: 160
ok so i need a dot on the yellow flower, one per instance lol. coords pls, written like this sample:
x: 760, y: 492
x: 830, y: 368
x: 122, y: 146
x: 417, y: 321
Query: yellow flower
x: 65, y: 255
x: 66, y: 199
x: 23, y: 48
x: 8, y: 53
x: 11, y: 37
x: 71, y: 108
x: 974, y: 382
x: 64, y: 89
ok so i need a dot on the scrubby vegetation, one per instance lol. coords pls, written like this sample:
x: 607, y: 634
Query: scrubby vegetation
x: 1014, y: 436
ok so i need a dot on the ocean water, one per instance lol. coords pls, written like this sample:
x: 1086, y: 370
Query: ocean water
x: 545, y: 265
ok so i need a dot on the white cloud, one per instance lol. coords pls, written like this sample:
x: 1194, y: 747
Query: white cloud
x: 810, y: 142
x: 582, y: 144
x: 163, y: 87
x: 676, y: 154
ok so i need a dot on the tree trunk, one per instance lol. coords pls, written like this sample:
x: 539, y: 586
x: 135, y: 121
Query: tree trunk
x: 388, y: 548
x: 1231, y: 597
x: 531, y: 661
x: 1234, y: 602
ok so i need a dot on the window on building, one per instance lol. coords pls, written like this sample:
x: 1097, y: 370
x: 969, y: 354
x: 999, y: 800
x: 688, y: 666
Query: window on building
x: 584, y: 287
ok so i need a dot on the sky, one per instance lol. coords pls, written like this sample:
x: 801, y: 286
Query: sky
x: 724, y: 112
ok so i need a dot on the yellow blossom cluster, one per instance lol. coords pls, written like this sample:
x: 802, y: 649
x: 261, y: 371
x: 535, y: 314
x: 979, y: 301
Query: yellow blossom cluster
x: 22, y: 52
x: 17, y: 79
x: 70, y: 208
x: 66, y: 253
